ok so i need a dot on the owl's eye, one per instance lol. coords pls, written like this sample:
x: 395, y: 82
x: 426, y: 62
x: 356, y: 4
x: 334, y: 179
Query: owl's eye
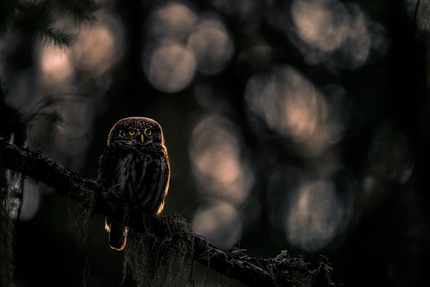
x: 131, y: 132
x: 148, y: 132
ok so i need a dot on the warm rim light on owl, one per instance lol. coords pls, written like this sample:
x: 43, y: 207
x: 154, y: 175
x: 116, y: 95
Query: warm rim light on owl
x: 135, y: 166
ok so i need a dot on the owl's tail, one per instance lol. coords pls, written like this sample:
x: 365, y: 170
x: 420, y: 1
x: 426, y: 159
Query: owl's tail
x: 117, y: 233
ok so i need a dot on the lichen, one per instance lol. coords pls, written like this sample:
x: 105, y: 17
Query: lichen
x: 289, y: 270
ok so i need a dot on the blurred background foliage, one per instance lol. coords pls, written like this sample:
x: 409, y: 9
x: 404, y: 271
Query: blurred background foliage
x: 299, y: 125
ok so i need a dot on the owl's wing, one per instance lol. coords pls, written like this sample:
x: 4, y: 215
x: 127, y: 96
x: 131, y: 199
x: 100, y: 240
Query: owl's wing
x: 154, y: 183
x: 108, y: 166
x: 125, y: 179
x: 114, y: 173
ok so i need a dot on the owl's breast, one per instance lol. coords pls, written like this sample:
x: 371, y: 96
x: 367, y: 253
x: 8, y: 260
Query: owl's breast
x: 128, y: 176
x: 139, y: 176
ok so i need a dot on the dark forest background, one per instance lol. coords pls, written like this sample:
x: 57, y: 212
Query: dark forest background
x: 297, y: 125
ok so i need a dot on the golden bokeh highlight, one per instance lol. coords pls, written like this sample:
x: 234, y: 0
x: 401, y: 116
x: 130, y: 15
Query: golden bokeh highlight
x: 101, y: 45
x: 171, y: 68
x: 212, y: 45
x: 217, y: 163
x: 291, y: 105
x: 327, y: 27
x: 317, y: 214
x: 219, y: 223
x: 223, y: 178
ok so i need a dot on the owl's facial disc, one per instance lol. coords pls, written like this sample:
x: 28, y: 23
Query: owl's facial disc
x: 137, y: 130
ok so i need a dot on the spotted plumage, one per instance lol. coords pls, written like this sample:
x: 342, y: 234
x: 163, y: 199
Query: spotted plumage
x: 135, y: 166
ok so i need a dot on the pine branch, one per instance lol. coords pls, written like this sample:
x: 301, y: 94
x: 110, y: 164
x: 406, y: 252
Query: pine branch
x: 36, y: 19
x: 80, y: 11
x: 279, y: 271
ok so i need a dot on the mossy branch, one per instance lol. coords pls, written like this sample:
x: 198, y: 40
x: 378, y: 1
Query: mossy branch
x: 279, y: 271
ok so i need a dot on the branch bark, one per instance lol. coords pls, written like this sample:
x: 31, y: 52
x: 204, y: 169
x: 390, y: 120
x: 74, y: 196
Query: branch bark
x: 279, y: 271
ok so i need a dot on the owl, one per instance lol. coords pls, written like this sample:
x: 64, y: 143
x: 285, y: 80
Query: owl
x: 135, y: 167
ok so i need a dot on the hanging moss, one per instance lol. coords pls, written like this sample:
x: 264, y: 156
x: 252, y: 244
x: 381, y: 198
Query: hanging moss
x: 153, y: 261
x: 84, y: 211
x: 6, y: 234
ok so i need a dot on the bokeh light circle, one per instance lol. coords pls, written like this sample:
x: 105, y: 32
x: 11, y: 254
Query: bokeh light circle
x: 318, y: 214
x: 211, y: 45
x: 171, y: 23
x: 101, y: 45
x: 218, y: 167
x: 291, y: 105
x: 220, y: 224
x: 170, y: 68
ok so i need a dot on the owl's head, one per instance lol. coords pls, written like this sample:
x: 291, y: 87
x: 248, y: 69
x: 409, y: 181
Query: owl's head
x: 136, y: 130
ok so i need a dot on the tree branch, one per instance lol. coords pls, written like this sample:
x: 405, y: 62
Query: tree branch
x: 279, y: 271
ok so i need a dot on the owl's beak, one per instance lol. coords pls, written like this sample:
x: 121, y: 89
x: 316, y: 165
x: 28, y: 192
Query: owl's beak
x: 142, y: 139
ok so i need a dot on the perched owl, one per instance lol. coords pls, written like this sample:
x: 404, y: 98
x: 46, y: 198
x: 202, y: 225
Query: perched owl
x: 135, y: 166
